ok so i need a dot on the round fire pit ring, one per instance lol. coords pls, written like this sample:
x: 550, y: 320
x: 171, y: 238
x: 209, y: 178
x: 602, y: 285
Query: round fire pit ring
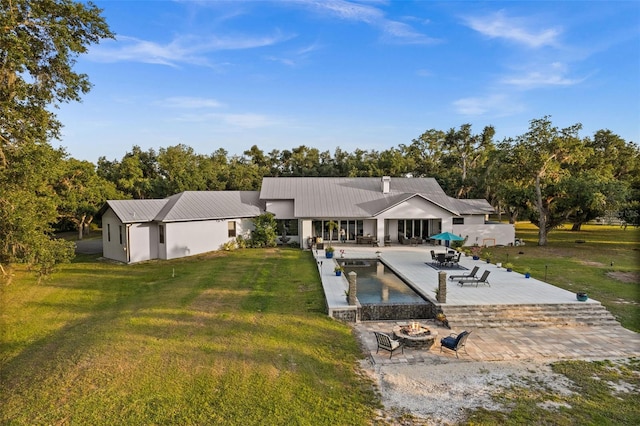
x: 415, y: 335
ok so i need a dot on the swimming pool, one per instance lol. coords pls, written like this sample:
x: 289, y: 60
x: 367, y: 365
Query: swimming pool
x: 377, y: 284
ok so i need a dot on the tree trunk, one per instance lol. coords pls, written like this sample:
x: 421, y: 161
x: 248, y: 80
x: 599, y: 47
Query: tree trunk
x: 81, y: 226
x: 576, y: 226
x: 542, y: 215
x: 87, y: 225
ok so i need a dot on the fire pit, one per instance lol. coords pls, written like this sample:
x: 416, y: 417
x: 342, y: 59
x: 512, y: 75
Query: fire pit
x: 415, y: 335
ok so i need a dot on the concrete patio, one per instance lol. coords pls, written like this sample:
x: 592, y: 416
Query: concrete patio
x: 484, y: 344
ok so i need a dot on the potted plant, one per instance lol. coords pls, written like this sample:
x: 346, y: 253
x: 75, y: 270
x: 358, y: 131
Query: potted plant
x: 487, y: 255
x: 338, y: 270
x: 475, y: 252
x: 527, y: 272
x: 509, y: 266
x: 328, y: 252
x: 582, y: 296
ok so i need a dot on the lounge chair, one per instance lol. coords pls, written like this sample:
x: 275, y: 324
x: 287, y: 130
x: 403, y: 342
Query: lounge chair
x: 476, y: 281
x: 387, y: 343
x: 471, y: 274
x: 455, y: 342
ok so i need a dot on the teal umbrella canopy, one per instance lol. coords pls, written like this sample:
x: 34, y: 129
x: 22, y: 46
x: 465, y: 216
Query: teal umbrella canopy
x: 446, y: 236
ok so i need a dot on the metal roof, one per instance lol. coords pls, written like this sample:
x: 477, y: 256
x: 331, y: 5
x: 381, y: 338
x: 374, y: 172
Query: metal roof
x: 352, y: 197
x: 135, y: 211
x: 205, y: 205
x: 474, y: 206
x: 190, y: 205
x: 313, y: 197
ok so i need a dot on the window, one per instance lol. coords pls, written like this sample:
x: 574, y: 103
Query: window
x: 109, y: 232
x: 120, y: 231
x: 161, y: 234
x: 458, y: 220
x: 291, y: 225
x: 232, y: 228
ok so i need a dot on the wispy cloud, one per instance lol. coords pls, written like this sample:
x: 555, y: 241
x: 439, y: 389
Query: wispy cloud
x: 496, y: 105
x: 519, y: 30
x: 181, y: 50
x: 185, y: 102
x: 552, y: 75
x: 393, y: 31
x: 294, y: 58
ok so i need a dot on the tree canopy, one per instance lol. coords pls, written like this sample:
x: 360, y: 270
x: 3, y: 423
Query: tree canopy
x: 40, y: 40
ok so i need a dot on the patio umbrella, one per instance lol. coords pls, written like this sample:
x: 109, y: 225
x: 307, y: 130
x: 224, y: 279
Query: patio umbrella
x: 446, y: 236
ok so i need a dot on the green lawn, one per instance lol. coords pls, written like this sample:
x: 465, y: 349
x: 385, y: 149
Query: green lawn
x: 229, y: 338
x: 606, y: 265
x: 242, y: 338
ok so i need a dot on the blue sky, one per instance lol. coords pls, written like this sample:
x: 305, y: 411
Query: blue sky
x: 350, y: 74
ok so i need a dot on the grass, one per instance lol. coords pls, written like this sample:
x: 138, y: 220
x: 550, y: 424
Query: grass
x: 242, y: 338
x: 602, y: 393
x: 606, y: 265
x: 229, y: 338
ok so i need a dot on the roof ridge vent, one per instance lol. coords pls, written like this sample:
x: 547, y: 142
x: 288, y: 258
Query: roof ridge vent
x: 386, y: 183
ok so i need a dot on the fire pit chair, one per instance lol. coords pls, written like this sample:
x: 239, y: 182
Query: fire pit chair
x: 455, y: 342
x: 387, y: 343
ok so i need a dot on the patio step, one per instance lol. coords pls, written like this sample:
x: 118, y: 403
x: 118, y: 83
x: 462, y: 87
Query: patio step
x: 534, y: 315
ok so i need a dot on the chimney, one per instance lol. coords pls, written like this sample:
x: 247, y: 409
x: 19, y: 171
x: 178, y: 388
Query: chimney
x: 386, y: 181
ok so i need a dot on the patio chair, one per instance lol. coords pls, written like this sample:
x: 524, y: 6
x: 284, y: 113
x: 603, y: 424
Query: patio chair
x: 433, y: 256
x: 471, y: 274
x: 455, y: 342
x: 441, y: 258
x: 387, y: 343
x: 476, y: 281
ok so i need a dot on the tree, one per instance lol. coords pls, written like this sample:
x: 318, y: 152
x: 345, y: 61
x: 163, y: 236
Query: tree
x: 542, y: 155
x: 264, y: 231
x: 588, y: 195
x: 28, y: 209
x: 465, y: 152
x: 135, y: 175
x: 82, y: 193
x: 39, y: 41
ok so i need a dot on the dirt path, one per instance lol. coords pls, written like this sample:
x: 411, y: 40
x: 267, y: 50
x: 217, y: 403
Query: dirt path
x: 438, y: 393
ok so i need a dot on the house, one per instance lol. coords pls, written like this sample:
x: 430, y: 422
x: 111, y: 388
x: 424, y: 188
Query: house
x: 396, y: 210
x: 184, y: 224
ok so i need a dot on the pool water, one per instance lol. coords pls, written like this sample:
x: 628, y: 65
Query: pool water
x: 377, y: 284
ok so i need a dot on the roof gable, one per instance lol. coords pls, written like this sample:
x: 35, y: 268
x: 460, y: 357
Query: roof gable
x: 205, y: 205
x: 351, y: 197
x: 189, y: 205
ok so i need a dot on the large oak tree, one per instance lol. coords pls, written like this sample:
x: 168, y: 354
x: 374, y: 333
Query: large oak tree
x: 39, y: 43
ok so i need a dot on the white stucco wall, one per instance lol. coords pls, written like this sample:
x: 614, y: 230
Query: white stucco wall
x: 474, y: 220
x: 143, y: 241
x: 282, y: 209
x: 487, y: 234
x: 111, y: 247
x: 190, y: 238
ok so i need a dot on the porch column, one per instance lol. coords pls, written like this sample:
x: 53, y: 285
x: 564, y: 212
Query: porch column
x: 380, y: 230
x: 305, y: 230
